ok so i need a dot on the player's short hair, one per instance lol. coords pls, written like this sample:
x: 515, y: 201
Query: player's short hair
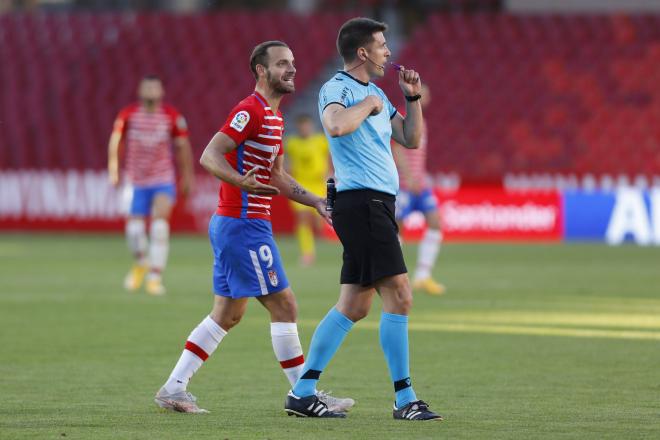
x: 355, y: 33
x: 260, y: 54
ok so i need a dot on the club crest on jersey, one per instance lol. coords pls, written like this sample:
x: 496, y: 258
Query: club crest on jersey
x: 240, y: 120
x: 272, y: 277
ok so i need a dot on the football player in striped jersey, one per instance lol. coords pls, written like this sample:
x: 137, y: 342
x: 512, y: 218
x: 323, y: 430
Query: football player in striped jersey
x: 246, y: 155
x: 147, y: 130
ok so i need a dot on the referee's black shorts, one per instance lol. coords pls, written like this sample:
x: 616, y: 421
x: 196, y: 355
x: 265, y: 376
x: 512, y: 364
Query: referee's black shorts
x: 365, y: 223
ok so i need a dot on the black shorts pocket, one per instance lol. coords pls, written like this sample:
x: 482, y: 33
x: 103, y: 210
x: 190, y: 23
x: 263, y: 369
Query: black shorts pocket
x: 382, y: 225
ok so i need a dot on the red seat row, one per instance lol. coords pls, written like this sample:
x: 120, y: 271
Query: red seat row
x: 540, y: 93
x: 64, y: 77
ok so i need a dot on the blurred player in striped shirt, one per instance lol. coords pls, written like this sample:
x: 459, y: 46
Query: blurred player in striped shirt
x: 147, y: 130
x: 246, y: 155
x: 416, y: 194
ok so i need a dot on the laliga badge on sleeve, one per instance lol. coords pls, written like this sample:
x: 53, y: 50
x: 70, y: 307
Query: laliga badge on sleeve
x: 240, y: 120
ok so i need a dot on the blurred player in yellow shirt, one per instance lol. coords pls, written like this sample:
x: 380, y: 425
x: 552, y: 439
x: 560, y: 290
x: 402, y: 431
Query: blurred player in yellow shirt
x: 308, y: 161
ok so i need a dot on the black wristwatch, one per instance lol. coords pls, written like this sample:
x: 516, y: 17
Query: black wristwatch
x: 413, y: 98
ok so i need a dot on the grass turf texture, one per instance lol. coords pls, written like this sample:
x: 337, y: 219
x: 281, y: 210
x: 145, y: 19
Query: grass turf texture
x: 531, y: 341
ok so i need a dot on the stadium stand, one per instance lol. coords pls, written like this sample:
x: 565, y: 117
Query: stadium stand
x: 563, y: 94
x: 65, y: 76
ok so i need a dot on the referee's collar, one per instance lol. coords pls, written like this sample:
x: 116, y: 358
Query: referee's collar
x: 352, y: 77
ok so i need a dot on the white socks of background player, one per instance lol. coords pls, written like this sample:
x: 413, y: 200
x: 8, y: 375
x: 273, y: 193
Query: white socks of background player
x: 136, y: 238
x: 159, y: 246
x: 159, y: 243
x: 288, y: 350
x: 201, y: 344
x: 428, y: 252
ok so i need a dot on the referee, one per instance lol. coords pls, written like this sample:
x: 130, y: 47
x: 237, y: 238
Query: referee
x: 360, y: 122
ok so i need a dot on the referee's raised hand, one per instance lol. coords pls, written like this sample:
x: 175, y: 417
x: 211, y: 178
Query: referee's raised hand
x: 251, y: 185
x: 409, y: 82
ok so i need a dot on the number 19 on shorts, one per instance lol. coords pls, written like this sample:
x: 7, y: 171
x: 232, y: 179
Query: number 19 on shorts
x: 262, y: 260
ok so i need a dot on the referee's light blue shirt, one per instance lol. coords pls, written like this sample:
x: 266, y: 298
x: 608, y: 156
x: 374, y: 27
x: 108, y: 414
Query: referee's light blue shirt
x: 362, y: 159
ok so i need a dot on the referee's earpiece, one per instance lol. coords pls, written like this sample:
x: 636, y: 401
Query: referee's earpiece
x: 366, y: 58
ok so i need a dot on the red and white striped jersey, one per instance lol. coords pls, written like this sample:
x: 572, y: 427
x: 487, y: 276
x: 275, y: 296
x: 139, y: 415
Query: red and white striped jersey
x: 147, y: 138
x: 257, y: 131
x: 416, y: 161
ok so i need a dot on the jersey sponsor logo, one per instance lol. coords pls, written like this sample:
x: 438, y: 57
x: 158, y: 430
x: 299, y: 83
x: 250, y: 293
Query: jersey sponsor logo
x: 240, y: 120
x: 272, y: 277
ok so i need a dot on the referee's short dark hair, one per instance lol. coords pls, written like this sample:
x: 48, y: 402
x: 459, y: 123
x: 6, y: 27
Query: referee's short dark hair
x: 355, y: 33
x: 260, y: 54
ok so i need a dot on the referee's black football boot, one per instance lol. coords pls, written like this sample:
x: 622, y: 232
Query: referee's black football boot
x: 309, y: 406
x: 417, y: 410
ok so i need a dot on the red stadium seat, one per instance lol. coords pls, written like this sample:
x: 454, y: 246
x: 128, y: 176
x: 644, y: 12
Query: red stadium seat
x: 70, y: 74
x: 539, y: 94
x: 525, y: 94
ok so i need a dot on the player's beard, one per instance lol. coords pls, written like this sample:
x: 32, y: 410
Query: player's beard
x: 150, y: 102
x: 278, y: 86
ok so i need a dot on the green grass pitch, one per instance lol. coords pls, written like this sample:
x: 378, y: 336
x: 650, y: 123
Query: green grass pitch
x: 530, y: 342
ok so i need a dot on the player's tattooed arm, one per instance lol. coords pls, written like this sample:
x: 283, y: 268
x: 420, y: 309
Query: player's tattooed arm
x: 297, y: 189
x: 289, y: 187
x: 292, y: 189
